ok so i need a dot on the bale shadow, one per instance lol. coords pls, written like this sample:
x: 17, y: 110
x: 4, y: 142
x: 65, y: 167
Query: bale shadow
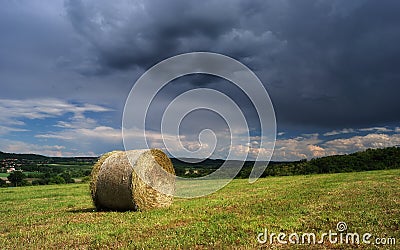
x: 94, y: 210
x: 83, y: 210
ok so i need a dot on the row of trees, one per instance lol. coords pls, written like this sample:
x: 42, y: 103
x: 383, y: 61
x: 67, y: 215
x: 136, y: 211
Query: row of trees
x: 54, y: 179
x: 18, y: 178
x: 371, y: 159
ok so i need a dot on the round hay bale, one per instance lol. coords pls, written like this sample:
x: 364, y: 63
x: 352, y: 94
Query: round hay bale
x: 117, y: 184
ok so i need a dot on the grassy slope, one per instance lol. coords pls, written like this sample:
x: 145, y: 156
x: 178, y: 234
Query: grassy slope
x: 63, y: 217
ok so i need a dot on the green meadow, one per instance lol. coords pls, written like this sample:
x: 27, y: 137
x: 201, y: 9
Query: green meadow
x: 5, y: 175
x: 63, y: 217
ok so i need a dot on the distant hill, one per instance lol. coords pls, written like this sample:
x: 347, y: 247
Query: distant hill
x: 22, y: 156
x: 36, y: 157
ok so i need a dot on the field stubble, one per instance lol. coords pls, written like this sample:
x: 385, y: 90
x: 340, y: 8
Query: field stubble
x: 62, y: 216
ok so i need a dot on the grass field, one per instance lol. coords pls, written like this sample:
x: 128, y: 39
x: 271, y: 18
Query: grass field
x: 62, y: 216
x: 4, y: 175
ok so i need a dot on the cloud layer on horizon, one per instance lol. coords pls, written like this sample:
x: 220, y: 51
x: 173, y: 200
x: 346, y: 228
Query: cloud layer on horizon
x: 78, y: 134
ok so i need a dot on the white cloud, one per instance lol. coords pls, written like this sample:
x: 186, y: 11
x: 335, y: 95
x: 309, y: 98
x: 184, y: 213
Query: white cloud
x: 316, y: 151
x: 14, y: 111
x: 77, y: 131
x: 80, y: 135
x: 300, y: 147
x: 339, y: 132
x: 6, y: 130
x: 103, y: 133
x: 111, y: 138
x: 312, y: 147
x: 376, y: 129
x: 358, y: 143
x: 296, y: 148
x: 311, y: 135
x: 29, y: 148
x: 351, y: 130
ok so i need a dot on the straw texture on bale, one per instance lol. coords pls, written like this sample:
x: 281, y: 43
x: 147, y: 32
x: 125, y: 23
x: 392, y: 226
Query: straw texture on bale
x: 117, y: 184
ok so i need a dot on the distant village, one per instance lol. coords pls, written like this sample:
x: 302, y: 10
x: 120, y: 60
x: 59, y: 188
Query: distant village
x: 9, y: 165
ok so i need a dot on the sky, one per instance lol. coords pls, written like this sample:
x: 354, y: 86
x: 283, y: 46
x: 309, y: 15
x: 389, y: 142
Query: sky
x: 331, y: 69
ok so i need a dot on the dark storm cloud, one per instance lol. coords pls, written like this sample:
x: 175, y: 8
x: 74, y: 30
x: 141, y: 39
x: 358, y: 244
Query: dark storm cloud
x: 344, y: 64
x: 140, y: 34
x: 325, y: 63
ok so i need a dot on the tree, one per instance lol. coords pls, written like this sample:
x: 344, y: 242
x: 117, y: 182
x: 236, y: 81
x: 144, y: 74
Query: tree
x: 56, y: 180
x: 16, y: 178
x: 67, y: 177
x: 35, y: 183
x: 3, y: 183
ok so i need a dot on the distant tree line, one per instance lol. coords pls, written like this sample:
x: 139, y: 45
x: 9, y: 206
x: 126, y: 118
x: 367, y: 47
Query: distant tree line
x: 18, y: 178
x: 54, y: 179
x: 370, y: 159
x: 44, y: 174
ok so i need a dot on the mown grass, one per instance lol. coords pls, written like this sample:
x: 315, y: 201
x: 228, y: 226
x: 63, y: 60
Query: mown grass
x: 63, y: 217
